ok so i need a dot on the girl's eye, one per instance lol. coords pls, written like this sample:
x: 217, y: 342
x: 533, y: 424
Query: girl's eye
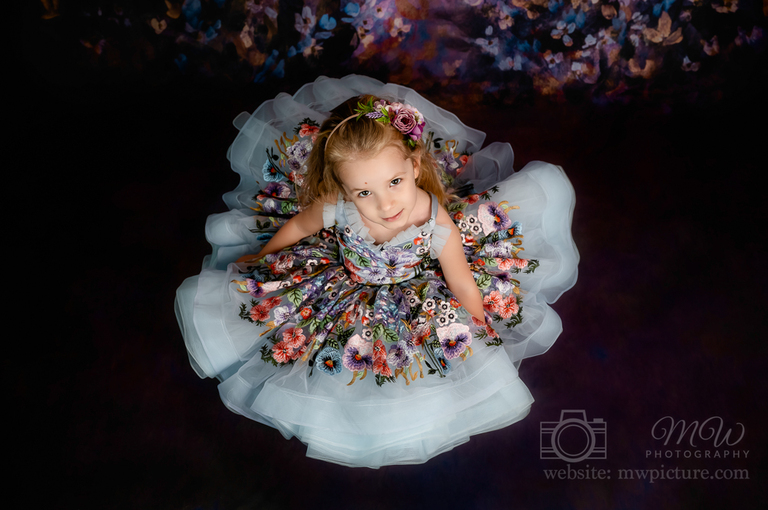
x: 395, y: 182
x: 364, y: 193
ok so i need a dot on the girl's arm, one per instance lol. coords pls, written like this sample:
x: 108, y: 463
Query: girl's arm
x: 306, y: 223
x: 456, y: 269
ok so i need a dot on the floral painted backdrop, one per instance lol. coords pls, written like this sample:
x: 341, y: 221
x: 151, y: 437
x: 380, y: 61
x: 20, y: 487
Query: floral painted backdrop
x: 603, y: 50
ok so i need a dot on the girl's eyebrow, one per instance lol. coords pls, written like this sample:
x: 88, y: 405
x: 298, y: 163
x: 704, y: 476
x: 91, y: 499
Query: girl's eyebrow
x: 397, y: 175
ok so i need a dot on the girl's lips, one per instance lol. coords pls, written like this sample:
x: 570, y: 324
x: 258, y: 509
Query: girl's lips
x: 393, y: 218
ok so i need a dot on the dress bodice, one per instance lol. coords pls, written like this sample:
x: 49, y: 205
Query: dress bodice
x: 401, y: 258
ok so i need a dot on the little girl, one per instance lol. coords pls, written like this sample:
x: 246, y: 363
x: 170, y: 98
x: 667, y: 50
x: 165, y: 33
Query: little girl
x: 383, y: 320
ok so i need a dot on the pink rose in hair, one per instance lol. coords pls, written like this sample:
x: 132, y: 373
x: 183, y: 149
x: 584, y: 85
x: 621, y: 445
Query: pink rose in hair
x: 404, y: 121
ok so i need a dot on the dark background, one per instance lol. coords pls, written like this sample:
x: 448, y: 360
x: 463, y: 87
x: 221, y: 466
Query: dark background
x: 119, y: 172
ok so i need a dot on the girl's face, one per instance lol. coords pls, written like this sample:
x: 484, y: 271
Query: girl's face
x: 383, y: 188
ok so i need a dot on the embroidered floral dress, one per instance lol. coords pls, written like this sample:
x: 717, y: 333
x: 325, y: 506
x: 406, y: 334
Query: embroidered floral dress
x: 360, y: 350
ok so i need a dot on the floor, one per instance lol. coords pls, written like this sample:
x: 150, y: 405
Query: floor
x: 665, y: 323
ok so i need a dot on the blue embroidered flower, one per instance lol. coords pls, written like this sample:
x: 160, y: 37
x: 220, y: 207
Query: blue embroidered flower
x: 271, y: 173
x: 445, y: 365
x: 328, y: 361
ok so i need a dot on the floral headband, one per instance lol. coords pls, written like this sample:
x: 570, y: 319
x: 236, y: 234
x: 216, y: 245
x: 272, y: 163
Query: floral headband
x: 406, y: 119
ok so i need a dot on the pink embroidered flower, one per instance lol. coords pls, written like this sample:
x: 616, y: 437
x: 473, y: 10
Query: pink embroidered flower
x: 421, y: 333
x: 294, y: 337
x: 282, y: 264
x: 492, y: 301
x: 272, y: 287
x: 520, y: 263
x: 281, y: 352
x: 296, y: 178
x: 508, y: 307
x: 259, y: 313
x: 471, y: 199
x: 505, y: 264
x: 271, y: 302
x: 306, y: 130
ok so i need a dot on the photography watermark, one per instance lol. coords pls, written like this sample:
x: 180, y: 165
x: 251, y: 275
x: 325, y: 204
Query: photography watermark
x: 708, y: 439
x: 574, y: 438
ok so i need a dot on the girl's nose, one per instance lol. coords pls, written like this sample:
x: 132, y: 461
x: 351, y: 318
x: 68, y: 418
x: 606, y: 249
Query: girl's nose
x: 385, y: 203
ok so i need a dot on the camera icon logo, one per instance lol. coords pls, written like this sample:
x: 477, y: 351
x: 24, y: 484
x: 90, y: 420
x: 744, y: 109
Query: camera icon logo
x: 573, y: 438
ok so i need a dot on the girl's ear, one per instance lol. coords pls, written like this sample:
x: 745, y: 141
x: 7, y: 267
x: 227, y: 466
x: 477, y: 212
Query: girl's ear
x: 416, y: 159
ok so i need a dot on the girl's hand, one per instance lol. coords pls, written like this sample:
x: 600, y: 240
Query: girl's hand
x: 249, y: 259
x: 307, y: 222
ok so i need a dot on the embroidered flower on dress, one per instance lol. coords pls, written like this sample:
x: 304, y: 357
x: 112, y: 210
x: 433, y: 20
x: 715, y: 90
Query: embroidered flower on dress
x: 294, y: 337
x: 454, y: 339
x: 508, y: 307
x: 399, y: 356
x: 328, y: 360
x: 278, y: 189
x: 259, y: 313
x: 493, y: 218
x: 357, y: 354
x: 380, y: 359
x: 498, y: 249
x: 492, y: 301
x: 282, y: 314
x: 282, y: 352
x: 270, y: 172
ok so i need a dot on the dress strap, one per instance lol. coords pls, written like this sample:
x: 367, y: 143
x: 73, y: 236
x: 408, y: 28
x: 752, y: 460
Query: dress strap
x: 434, y: 206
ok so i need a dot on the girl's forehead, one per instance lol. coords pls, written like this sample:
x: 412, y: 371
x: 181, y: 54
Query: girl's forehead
x: 369, y: 171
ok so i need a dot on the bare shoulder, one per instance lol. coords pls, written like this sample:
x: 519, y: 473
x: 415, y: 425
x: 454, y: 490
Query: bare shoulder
x: 443, y: 218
